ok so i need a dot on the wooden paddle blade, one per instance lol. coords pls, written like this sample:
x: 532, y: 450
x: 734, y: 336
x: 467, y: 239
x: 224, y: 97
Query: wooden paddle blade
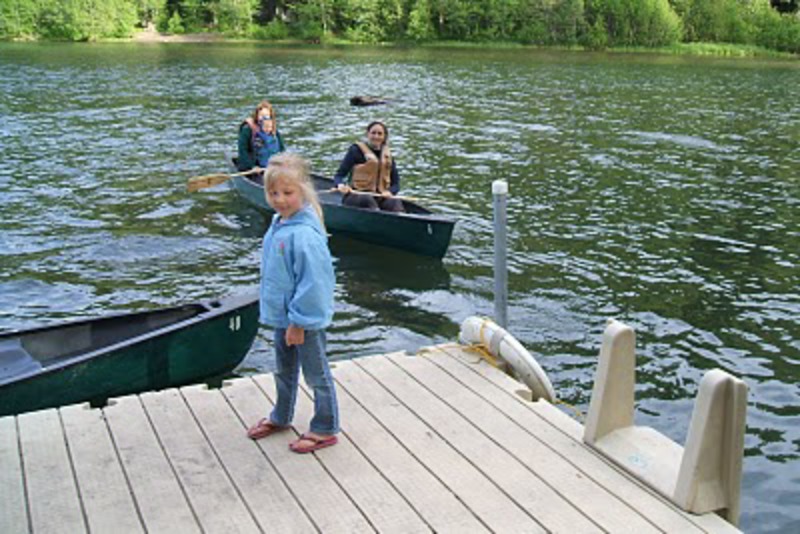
x: 209, y: 180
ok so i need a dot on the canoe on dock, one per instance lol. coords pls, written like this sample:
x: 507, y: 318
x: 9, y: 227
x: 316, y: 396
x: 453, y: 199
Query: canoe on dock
x: 417, y: 230
x: 94, y: 359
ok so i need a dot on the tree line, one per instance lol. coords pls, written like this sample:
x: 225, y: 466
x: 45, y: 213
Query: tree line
x: 595, y: 24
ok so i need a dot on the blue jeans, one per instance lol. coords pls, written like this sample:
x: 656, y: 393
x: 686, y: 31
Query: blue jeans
x: 311, y: 357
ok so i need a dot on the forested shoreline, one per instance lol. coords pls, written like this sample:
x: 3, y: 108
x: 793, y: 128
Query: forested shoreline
x: 592, y: 24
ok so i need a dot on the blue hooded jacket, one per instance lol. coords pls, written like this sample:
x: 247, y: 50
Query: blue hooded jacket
x: 297, y: 279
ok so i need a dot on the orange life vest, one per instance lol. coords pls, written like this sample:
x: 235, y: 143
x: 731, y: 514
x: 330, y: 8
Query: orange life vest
x: 373, y: 175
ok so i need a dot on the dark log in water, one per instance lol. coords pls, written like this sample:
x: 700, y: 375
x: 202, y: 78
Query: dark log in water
x: 367, y: 101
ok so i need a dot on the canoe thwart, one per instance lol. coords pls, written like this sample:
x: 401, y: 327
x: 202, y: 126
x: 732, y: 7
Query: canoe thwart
x: 15, y: 360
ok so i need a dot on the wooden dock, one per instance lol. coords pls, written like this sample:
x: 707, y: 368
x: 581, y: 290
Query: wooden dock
x: 435, y: 442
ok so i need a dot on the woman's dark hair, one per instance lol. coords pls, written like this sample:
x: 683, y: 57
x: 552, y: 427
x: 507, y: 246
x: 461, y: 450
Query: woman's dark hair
x: 385, y: 129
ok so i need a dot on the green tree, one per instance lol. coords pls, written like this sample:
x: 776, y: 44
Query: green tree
x: 194, y: 14
x: 597, y: 36
x: 549, y: 22
x: 391, y: 19
x: 713, y: 20
x: 655, y: 23
x: 18, y: 19
x: 175, y: 24
x: 235, y: 16
x: 774, y: 30
x: 86, y: 20
x: 565, y: 20
x: 363, y: 24
x: 313, y: 18
x: 635, y: 22
x: 420, y: 26
x: 451, y: 18
x: 499, y: 20
x: 148, y: 11
x: 267, y: 11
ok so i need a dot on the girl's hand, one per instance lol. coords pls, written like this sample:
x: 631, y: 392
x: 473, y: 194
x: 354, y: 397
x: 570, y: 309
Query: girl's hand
x: 295, y: 335
x: 343, y: 188
x: 386, y: 194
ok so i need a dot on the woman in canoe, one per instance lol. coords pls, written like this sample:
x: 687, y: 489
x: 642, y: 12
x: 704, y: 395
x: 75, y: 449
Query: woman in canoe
x: 259, y: 138
x: 368, y: 175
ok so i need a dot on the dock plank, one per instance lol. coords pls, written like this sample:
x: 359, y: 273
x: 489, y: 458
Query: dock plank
x: 511, y: 475
x: 565, y: 435
x: 272, y: 504
x: 13, y: 513
x: 162, y: 503
x: 709, y: 522
x: 437, y: 505
x: 53, y: 499
x: 563, y: 478
x: 106, y: 497
x: 471, y: 486
x: 385, y: 508
x: 215, y: 500
x: 437, y: 442
x: 326, y: 504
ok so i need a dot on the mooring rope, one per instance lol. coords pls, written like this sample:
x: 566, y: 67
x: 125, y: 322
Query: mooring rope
x: 483, y: 349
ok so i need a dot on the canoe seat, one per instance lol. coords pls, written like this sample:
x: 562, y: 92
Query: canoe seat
x: 15, y: 360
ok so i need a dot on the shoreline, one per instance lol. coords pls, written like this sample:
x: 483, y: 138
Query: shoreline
x: 719, y: 50
x: 722, y: 50
x: 153, y: 36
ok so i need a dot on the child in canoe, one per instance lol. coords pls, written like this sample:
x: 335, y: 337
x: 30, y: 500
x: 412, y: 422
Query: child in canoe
x: 259, y: 138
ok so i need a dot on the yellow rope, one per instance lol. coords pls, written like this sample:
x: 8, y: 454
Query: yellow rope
x: 482, y: 350
x: 578, y: 414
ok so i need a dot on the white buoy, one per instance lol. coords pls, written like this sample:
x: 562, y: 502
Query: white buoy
x: 503, y: 345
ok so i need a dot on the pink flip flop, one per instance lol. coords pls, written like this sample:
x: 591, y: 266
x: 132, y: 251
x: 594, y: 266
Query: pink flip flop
x: 263, y: 428
x: 316, y: 443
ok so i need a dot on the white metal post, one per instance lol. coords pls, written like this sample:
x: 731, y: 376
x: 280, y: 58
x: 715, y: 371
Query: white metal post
x: 499, y: 196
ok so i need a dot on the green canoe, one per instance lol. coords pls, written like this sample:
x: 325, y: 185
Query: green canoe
x: 418, y: 230
x: 95, y: 359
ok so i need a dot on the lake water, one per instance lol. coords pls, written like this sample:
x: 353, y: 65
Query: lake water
x: 662, y: 191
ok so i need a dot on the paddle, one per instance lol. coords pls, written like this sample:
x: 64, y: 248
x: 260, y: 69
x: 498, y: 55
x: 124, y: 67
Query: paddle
x: 210, y: 180
x: 411, y: 199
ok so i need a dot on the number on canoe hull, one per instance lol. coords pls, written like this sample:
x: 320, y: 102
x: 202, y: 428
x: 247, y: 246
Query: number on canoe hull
x: 235, y: 323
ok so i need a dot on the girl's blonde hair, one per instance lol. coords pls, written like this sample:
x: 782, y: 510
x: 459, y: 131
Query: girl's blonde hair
x: 293, y: 169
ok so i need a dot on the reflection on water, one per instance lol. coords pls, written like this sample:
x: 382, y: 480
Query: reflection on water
x: 658, y: 190
x: 385, y: 287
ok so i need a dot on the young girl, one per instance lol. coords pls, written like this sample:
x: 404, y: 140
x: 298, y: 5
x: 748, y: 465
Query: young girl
x: 297, y: 301
x: 259, y: 138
